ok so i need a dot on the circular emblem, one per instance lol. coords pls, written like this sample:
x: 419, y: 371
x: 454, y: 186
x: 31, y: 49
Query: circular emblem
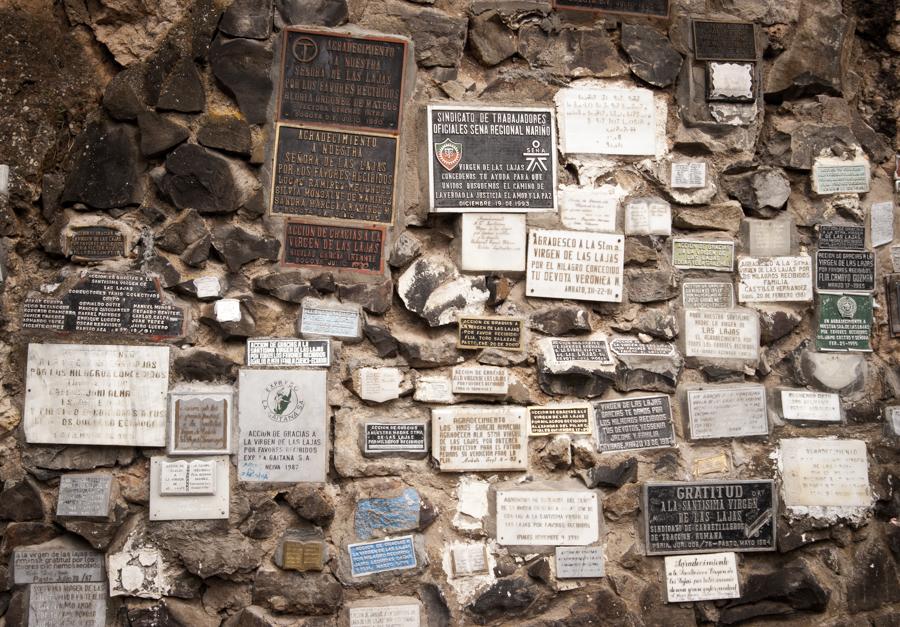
x: 282, y: 401
x: 846, y: 306
x: 305, y: 50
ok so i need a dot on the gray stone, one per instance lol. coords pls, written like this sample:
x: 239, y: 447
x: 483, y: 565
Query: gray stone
x: 776, y: 323
x: 207, y: 551
x: 796, y: 145
x: 296, y: 593
x: 313, y: 12
x: 197, y: 179
x: 607, y: 476
x: 571, y: 52
x: 431, y: 352
x: 47, y: 460
x: 834, y: 372
x: 291, y: 287
x: 122, y: 96
x: 311, y: 503
x: 225, y: 132
x: 507, y: 597
x: 651, y: 286
x: 238, y: 246
x: 186, y: 229
x: 20, y: 501
x: 432, y: 288
x: 783, y: 592
x: 248, y: 18
x: 491, y: 41
x: 638, y: 253
x: 656, y: 323
x: 201, y: 365
x: 648, y: 373
x: 373, y: 297
x: 182, y: 90
x: 724, y: 216
x: 243, y: 66
x: 380, y: 336
x: 159, y: 134
x: 439, y: 37
x: 561, y: 319
x: 406, y: 248
x: 230, y: 329
x: 99, y: 534
x: 762, y: 192
x: 653, y: 59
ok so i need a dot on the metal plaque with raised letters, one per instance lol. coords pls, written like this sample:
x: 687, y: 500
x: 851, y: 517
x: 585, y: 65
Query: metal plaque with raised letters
x: 354, y: 248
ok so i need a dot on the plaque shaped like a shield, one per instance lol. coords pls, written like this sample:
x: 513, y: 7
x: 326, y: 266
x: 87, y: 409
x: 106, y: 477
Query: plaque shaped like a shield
x: 448, y: 153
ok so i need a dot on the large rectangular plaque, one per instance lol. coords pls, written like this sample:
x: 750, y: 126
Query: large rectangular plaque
x: 103, y: 302
x: 345, y: 175
x: 607, y: 121
x: 627, y: 424
x: 484, y: 158
x: 703, y: 255
x: 200, y: 421
x: 56, y: 564
x: 554, y: 419
x: 355, y: 248
x: 691, y: 578
x: 547, y: 517
x: 84, y: 496
x: 501, y: 332
x: 775, y: 279
x: 707, y: 295
x: 367, y: 558
x: 721, y: 334
x: 69, y: 604
x: 709, y: 516
x: 650, y: 8
x: 467, y: 439
x: 382, y: 437
x: 724, y: 41
x: 728, y: 411
x: 336, y: 79
x: 825, y: 473
x: 844, y: 322
x: 842, y: 237
x: 96, y: 394
x: 288, y: 352
x: 845, y: 270
x: 575, y: 264
x: 283, y: 426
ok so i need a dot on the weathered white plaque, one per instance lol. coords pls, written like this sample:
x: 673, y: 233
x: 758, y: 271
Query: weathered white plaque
x: 707, y: 295
x: 768, y: 238
x: 480, y: 380
x: 433, y: 389
x: 330, y: 321
x: 702, y: 577
x: 835, y: 176
x: 96, y: 394
x: 547, y: 517
x: 283, y: 426
x: 479, y: 438
x: 227, y: 310
x: 200, y: 420
x: 827, y: 473
x: 730, y: 81
x: 207, y: 287
x: 469, y: 559
x: 808, y: 406
x: 775, y: 279
x: 56, y: 561
x: 385, y: 616
x: 288, y: 352
x: 378, y: 385
x: 882, y: 222
x: 559, y: 355
x: 493, y: 242
x: 575, y: 264
x: 590, y: 208
x: 690, y: 254
x: 728, y: 411
x: 721, y: 334
x: 69, y: 604
x: 84, y: 495
x: 606, y: 121
x: 579, y: 562
x: 892, y: 418
x: 688, y: 175
x: 189, y: 488
x: 648, y: 216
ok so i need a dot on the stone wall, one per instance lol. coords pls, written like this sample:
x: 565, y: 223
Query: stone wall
x: 141, y: 141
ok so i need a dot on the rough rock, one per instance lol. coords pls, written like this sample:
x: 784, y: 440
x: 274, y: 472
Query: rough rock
x: 571, y: 52
x: 406, y: 248
x: 21, y: 501
x: 507, y: 597
x: 314, y: 12
x: 491, y: 41
x: 290, y: 287
x: 432, y: 288
x: 381, y: 338
x: 122, y: 98
x: 248, y: 18
x: 159, y: 134
x: 198, y: 179
x: 776, y: 323
x: 225, y: 132
x: 651, y: 286
x: 653, y: 59
x: 761, y: 191
x: 312, y: 504
x: 560, y: 320
x: 206, y: 551
x: 784, y: 592
x: 297, y: 593
x: 724, y: 216
x: 607, y: 476
x: 429, y: 352
x: 834, y: 372
x: 239, y: 246
x: 182, y: 89
x: 242, y: 66
x: 108, y: 168
x: 873, y: 586
x: 186, y: 229
x: 201, y: 365
x: 439, y: 37
x: 373, y: 297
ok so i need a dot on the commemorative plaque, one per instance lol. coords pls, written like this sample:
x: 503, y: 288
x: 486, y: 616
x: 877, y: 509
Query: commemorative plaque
x: 467, y: 439
x: 492, y: 242
x: 809, y: 406
x: 300, y: 554
x: 707, y: 295
x: 844, y: 322
x: 288, y: 352
x: 691, y: 578
x: 575, y: 264
x: 368, y: 558
x: 355, y: 248
x: 95, y: 243
x: 506, y: 333
x: 283, y: 426
x: 579, y: 562
x: 607, y: 121
x: 825, y: 473
x: 325, y: 318
x: 628, y: 424
x: 730, y: 82
x: 485, y: 158
x: 434, y: 389
x: 547, y: 517
x: 558, y: 419
x: 648, y: 216
x: 189, y: 488
x: 845, y: 270
x: 102, y: 302
x: 688, y: 175
x: 842, y: 237
x: 775, y: 279
x: 561, y: 354
x: 200, y: 420
x: 378, y: 385
x: 590, y: 208
x: 768, y: 238
x: 336, y: 79
x: 96, y: 394
x: 709, y: 516
x: 703, y: 255
x: 881, y: 219
x: 69, y: 604
x: 836, y: 176
x: 381, y: 437
x: 724, y: 41
x: 728, y: 412
x: 85, y: 496
x: 721, y: 334
x: 469, y: 559
x: 649, y: 8
x: 632, y: 347
x: 480, y: 380
x: 892, y: 296
x: 344, y: 175
x: 389, y: 614
x: 56, y: 561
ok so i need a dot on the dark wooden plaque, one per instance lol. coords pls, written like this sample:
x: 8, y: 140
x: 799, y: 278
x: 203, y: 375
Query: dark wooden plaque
x: 724, y: 41
x: 845, y: 270
x: 651, y: 8
x: 359, y: 249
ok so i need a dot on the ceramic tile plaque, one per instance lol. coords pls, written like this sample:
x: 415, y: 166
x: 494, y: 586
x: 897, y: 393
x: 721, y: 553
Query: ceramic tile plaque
x: 707, y: 295
x: 691, y: 578
x: 348, y: 248
x: 728, y: 411
x: 288, y: 352
x: 845, y: 270
x: 634, y: 423
x: 580, y: 562
x: 721, y: 334
x: 824, y: 472
x: 547, y: 517
x: 200, y: 420
x: 368, y: 558
x: 576, y: 265
x: 775, y: 279
x: 556, y: 419
x: 703, y: 255
x: 467, y: 439
x: 488, y: 158
x: 809, y: 406
x: 96, y: 394
x: 493, y: 242
x: 844, y: 322
x: 607, y: 121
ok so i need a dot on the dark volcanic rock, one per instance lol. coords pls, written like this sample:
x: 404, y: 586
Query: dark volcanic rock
x: 200, y: 365
x: 197, y: 179
x: 182, y: 89
x: 291, y: 287
x: 875, y: 583
x: 178, y: 235
x: 314, y: 12
x: 237, y: 246
x: 159, y: 134
x: 248, y: 18
x: 610, y: 476
x: 507, y: 597
x: 225, y: 132
x: 108, y: 168
x: 243, y: 67
x: 311, y: 503
x: 374, y: 297
x: 297, y: 593
x: 380, y: 336
x: 561, y: 319
x: 653, y: 58
x: 490, y: 39
x: 122, y: 97
x: 786, y: 591
x: 20, y: 501
x: 650, y: 286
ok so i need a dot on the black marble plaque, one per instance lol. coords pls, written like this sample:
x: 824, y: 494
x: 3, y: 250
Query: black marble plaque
x: 332, y: 246
x: 724, y: 41
x: 107, y: 303
x: 634, y: 423
x: 655, y: 8
x: 581, y: 350
x: 395, y: 438
x: 333, y: 79
x: 491, y: 158
x: 709, y: 516
x: 628, y: 346
x: 845, y: 270
x: 842, y: 237
x: 486, y: 332
x: 94, y: 243
x: 334, y: 174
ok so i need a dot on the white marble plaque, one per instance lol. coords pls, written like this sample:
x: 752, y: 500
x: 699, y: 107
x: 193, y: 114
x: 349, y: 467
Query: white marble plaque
x: 590, y: 208
x: 330, y: 321
x: 385, y: 616
x: 607, y: 121
x: 480, y: 438
x: 283, y: 426
x: 707, y: 295
x: 892, y: 417
x: 690, y: 254
x: 433, y: 389
x: 730, y: 81
x: 227, y: 310
x: 579, y: 562
x: 728, y: 411
x: 480, y: 380
x: 648, y: 216
x: 547, y: 517
x: 808, y: 406
x: 688, y: 175
x: 69, y: 604
x: 207, y: 287
x: 827, y: 473
x: 721, y: 334
x: 768, y: 238
x: 378, y: 385
x: 702, y: 577
x: 493, y: 242
x: 576, y: 265
x: 469, y: 559
x: 882, y: 222
x: 189, y: 489
x: 775, y: 279
x: 835, y: 176
x: 96, y: 394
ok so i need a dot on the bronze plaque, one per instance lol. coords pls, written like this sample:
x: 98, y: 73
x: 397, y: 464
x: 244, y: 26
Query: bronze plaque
x: 724, y: 41
x: 334, y: 174
x: 892, y: 295
x: 303, y: 556
x: 650, y: 8
x: 491, y: 332
x: 339, y: 80
x: 94, y: 243
x: 354, y: 248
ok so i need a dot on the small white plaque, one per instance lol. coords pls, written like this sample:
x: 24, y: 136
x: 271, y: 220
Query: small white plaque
x: 469, y: 559
x: 480, y: 380
x: 575, y: 264
x: 721, y: 334
x: 493, y: 242
x: 827, y: 473
x: 385, y: 616
x: 606, y: 121
x: 808, y: 406
x: 433, y: 389
x: 702, y: 577
x: 69, y: 604
x: 547, y: 517
x: 590, y: 208
x: 207, y: 286
x: 189, y: 489
x: 648, y: 216
x: 378, y: 385
x: 183, y: 477
x: 579, y: 562
x: 689, y: 175
x: 227, y: 310
x: 882, y: 223
x: 730, y: 81
x: 728, y: 412
x: 775, y: 279
x: 480, y: 438
x: 330, y: 322
x: 895, y: 258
